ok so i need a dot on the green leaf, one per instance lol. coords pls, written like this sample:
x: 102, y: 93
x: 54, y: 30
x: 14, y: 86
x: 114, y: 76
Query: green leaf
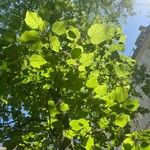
x: 64, y: 107
x: 59, y: 27
x: 94, y: 73
x: 103, y: 122
x: 122, y: 120
x: 92, y: 82
x: 128, y: 141
x: 51, y: 103
x: 34, y: 21
x: 47, y: 86
x: 73, y: 34
x: 122, y: 39
x: 81, y: 68
x: 117, y: 47
x: 119, y: 94
x: 69, y: 134
x: 37, y: 46
x: 111, y: 31
x: 132, y: 104
x: 79, y: 124
x: 119, y: 31
x: 109, y: 102
x: 30, y: 36
x: 86, y: 59
x: 37, y: 61
x: 101, y: 90
x: 128, y: 144
x: 55, y: 44
x: 90, y: 143
x: 120, y: 71
x: 97, y: 33
x: 76, y: 52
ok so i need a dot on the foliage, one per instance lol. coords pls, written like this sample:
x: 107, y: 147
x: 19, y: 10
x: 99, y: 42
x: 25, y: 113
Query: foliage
x: 64, y: 88
x: 61, y: 79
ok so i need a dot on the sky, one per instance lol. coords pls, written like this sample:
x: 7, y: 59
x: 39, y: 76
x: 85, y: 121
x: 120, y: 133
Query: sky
x: 131, y: 28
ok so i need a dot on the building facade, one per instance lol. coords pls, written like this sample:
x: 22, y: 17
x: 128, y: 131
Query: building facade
x: 142, y: 56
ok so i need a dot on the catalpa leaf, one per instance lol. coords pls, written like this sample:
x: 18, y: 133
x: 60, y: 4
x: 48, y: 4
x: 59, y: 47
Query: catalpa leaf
x: 117, y: 47
x: 120, y: 71
x: 92, y: 82
x: 37, y: 61
x: 73, y: 34
x: 101, y: 90
x: 34, y: 21
x: 132, y: 104
x: 86, y: 59
x: 89, y: 143
x: 97, y: 33
x: 30, y: 36
x: 119, y: 94
x: 76, y: 52
x: 79, y: 124
x: 103, y: 122
x: 122, y: 120
x: 59, y: 27
x: 55, y: 44
x: 69, y: 134
x: 64, y: 107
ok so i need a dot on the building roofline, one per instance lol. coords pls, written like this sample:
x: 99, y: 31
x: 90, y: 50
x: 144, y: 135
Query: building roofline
x: 141, y: 39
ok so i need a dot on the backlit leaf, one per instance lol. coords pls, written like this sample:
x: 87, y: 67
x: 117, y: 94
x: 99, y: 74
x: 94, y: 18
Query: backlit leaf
x: 89, y: 143
x: 73, y: 34
x: 122, y: 120
x: 86, y: 59
x: 97, y: 33
x: 30, y: 36
x: 64, y: 107
x: 103, y: 122
x: 79, y: 124
x: 120, y: 71
x: 34, y: 21
x: 69, y: 134
x: 119, y: 94
x: 55, y: 44
x: 59, y: 27
x: 37, y: 61
x: 92, y: 82
x: 100, y: 90
x: 117, y: 47
x: 132, y: 104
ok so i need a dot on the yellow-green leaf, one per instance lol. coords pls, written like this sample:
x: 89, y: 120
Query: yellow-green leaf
x: 89, y: 143
x: 100, y: 90
x: 34, y: 21
x: 73, y: 34
x: 59, y: 27
x: 69, y: 134
x: 92, y: 82
x: 55, y: 44
x: 30, y: 36
x: 37, y: 61
x: 119, y: 94
x: 122, y: 120
x: 64, y: 107
x: 97, y: 33
x: 86, y: 59
x: 132, y: 104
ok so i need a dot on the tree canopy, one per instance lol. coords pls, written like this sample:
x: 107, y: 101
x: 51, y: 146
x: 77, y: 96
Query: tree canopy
x: 65, y: 86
